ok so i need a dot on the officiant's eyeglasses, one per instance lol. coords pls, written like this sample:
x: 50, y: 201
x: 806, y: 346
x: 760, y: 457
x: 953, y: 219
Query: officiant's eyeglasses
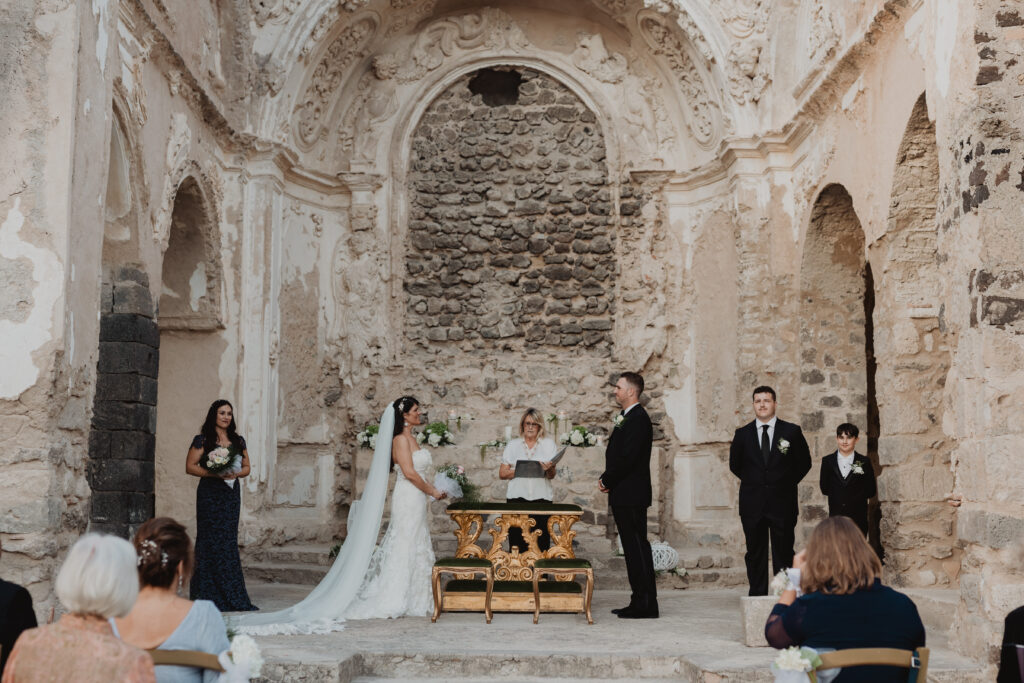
x: 527, y: 425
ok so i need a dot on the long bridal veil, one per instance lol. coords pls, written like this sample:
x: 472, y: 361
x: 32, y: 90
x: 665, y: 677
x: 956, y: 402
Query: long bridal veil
x: 323, y: 609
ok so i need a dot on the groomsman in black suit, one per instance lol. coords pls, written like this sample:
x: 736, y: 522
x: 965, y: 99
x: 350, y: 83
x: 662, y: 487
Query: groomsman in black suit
x: 770, y: 456
x: 847, y: 478
x: 627, y: 481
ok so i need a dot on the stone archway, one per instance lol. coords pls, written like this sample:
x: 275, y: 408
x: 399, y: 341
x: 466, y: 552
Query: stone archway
x: 121, y: 437
x: 834, y: 349
x: 190, y: 351
x: 913, y: 351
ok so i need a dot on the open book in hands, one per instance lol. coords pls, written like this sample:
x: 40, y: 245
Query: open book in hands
x: 531, y: 469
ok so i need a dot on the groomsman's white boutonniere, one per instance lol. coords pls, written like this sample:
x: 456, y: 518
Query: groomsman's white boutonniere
x: 619, y: 421
x: 783, y: 446
x: 856, y: 468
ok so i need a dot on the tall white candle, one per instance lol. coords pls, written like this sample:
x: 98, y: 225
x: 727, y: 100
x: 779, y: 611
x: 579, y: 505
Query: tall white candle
x: 508, y: 432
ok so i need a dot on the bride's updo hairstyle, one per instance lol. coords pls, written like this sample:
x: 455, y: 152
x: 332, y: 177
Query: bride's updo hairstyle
x: 403, y: 406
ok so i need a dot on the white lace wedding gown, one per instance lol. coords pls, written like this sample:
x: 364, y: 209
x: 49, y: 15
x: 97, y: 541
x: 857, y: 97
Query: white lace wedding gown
x: 367, y: 581
x: 397, y: 583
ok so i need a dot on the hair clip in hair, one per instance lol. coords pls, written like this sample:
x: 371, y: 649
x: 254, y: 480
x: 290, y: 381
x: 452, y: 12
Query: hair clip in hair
x: 148, y: 549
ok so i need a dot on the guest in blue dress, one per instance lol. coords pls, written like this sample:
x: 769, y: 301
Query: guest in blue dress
x: 845, y: 604
x: 218, y: 567
x: 160, y: 618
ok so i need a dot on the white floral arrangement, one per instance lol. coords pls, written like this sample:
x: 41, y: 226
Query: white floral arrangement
x: 779, y: 583
x: 436, y: 434
x: 795, y: 665
x: 368, y: 437
x: 783, y: 446
x: 856, y: 468
x: 242, y: 662
x: 786, y: 579
x: 578, y: 436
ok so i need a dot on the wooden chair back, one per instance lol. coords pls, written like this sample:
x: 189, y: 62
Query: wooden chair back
x: 194, y: 658
x: 914, y: 660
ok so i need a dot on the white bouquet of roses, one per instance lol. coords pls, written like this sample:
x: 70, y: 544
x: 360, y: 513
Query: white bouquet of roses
x: 242, y: 662
x: 368, y: 437
x: 578, y: 436
x: 223, y: 460
x: 436, y: 434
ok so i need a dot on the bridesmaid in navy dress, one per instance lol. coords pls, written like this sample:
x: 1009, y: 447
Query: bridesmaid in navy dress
x: 218, y: 568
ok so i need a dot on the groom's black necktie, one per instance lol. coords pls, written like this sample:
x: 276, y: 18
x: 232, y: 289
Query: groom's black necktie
x: 766, y: 444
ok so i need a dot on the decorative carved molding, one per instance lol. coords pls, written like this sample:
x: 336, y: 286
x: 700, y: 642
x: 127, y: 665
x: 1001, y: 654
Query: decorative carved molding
x: 702, y: 112
x: 822, y: 35
x: 490, y: 28
x: 743, y: 18
x: 593, y: 57
x: 329, y: 74
x: 176, y: 166
x: 273, y: 11
x: 748, y: 73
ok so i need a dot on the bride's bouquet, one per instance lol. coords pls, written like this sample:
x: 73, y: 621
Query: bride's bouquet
x: 578, y: 436
x: 368, y: 437
x: 242, y: 662
x: 436, y: 434
x: 452, y: 479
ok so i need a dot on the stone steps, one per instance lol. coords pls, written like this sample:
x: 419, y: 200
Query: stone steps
x: 306, y: 564
x: 937, y: 607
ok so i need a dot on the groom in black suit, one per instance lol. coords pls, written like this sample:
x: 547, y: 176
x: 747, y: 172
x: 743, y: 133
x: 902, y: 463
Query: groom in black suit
x: 770, y: 456
x: 627, y: 481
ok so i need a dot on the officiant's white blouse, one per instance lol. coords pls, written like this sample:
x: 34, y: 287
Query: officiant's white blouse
x: 532, y: 488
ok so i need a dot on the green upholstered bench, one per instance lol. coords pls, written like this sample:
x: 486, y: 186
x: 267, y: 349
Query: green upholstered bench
x: 462, y: 565
x: 563, y: 567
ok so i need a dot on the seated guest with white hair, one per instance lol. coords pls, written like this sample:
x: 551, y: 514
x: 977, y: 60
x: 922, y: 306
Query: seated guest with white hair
x: 96, y: 582
x: 161, y: 619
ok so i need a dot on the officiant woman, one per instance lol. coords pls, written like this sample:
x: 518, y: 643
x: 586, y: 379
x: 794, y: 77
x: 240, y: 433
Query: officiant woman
x: 217, y: 575
x: 532, y: 444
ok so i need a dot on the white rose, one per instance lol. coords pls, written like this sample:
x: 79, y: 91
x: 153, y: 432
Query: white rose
x: 434, y: 439
x: 576, y: 438
x: 421, y: 437
x: 373, y: 440
x: 448, y: 436
x: 591, y: 439
x: 244, y: 650
x: 563, y: 439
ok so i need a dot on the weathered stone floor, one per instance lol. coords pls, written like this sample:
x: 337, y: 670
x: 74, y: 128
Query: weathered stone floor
x: 698, y: 638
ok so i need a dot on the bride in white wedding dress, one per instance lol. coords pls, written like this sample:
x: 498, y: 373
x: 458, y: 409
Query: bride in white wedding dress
x: 392, y: 580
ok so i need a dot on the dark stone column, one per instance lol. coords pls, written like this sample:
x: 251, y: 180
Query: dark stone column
x: 122, y: 441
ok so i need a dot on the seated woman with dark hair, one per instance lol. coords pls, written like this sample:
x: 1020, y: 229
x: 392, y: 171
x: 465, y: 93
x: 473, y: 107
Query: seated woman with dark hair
x: 845, y: 604
x: 161, y: 619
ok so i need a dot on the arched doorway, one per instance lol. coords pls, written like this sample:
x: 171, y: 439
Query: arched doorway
x: 190, y: 350
x: 834, y: 347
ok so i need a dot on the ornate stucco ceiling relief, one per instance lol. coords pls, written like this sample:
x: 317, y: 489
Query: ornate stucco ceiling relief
x: 348, y: 47
x: 701, y: 108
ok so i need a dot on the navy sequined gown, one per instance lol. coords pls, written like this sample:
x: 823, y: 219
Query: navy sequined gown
x: 217, y: 575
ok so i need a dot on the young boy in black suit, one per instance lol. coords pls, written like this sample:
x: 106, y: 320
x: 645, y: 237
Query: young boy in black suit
x: 847, y: 478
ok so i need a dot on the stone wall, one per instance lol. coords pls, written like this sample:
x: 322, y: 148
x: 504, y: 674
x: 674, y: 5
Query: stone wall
x: 510, y: 217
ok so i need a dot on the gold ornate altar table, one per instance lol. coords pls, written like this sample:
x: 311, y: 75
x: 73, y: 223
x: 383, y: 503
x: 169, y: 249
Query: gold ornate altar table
x: 513, y: 571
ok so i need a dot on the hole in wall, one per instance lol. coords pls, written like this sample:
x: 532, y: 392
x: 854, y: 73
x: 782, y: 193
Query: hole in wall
x: 496, y: 88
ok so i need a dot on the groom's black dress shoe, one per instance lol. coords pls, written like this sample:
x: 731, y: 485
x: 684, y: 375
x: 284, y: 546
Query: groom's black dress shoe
x: 639, y: 614
x: 620, y: 610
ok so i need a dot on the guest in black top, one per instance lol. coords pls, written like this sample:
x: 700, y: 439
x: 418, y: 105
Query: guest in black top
x: 217, y: 574
x: 847, y: 478
x: 16, y: 615
x: 845, y: 604
x: 1012, y: 654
